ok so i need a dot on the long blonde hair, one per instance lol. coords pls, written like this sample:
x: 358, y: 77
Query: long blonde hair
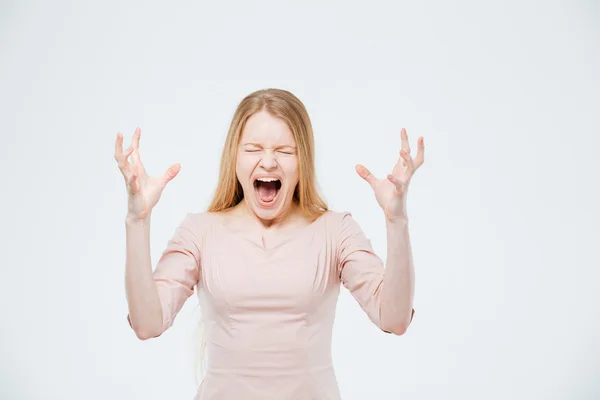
x: 286, y: 106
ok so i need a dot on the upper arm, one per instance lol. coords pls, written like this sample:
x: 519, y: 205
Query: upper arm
x: 360, y: 269
x: 178, y: 269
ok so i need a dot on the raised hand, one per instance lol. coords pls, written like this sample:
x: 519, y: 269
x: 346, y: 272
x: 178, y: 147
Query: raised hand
x: 143, y: 190
x: 391, y: 192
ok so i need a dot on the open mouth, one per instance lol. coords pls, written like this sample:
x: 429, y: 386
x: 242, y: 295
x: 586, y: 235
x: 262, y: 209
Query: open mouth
x: 267, y: 189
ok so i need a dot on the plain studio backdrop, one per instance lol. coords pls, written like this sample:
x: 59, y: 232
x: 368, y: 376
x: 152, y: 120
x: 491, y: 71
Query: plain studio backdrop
x: 503, y: 214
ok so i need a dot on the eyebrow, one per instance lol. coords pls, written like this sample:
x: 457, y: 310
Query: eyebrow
x: 277, y: 147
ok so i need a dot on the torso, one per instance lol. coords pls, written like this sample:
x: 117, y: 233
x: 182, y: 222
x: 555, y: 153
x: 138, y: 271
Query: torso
x: 268, y: 312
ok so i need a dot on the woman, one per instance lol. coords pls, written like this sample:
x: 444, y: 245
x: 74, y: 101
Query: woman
x: 268, y: 257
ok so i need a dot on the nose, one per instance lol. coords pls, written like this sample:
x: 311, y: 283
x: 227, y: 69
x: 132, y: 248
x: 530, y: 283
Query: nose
x: 268, y: 160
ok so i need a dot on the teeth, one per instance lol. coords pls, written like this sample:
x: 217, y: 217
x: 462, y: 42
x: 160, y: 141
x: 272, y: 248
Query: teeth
x: 267, y: 179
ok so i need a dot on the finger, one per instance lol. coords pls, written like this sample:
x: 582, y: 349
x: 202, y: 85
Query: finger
x: 136, y: 137
x: 401, y: 158
x: 118, y: 146
x: 172, y: 172
x: 420, y: 158
x: 137, y: 161
x: 123, y: 159
x: 135, y: 143
x: 397, y: 183
x: 128, y: 173
x: 366, y: 175
x: 405, y: 144
x: 407, y: 160
x: 132, y: 184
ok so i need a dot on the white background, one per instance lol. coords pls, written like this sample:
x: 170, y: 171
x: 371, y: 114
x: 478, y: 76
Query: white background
x: 504, y: 212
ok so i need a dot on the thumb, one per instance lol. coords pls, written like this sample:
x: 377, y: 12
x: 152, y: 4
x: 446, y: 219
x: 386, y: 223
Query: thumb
x: 172, y: 172
x: 366, y: 174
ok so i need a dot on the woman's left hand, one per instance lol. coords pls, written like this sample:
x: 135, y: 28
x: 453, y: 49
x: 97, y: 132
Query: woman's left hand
x: 391, y: 192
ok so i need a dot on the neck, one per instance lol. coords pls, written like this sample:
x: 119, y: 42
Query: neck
x: 280, y: 221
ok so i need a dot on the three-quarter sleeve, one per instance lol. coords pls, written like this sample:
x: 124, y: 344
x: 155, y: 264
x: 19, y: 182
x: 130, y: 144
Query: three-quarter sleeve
x: 361, y: 271
x: 178, y: 269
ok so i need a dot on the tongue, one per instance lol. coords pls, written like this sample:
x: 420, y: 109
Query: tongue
x: 267, y: 191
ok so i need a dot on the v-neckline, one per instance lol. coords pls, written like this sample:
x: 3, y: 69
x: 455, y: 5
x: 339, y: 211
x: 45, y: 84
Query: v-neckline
x: 257, y: 241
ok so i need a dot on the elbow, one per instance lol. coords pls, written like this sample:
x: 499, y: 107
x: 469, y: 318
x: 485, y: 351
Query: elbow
x: 142, y: 333
x: 397, y: 329
x: 145, y: 335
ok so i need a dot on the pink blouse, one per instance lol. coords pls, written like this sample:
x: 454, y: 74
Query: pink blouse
x: 268, y: 312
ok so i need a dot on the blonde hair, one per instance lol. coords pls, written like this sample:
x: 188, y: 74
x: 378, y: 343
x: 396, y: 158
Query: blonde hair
x: 286, y: 106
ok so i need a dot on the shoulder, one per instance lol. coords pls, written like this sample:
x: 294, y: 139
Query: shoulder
x: 340, y: 222
x: 346, y: 235
x: 197, y: 222
x: 191, y: 218
x: 337, y: 216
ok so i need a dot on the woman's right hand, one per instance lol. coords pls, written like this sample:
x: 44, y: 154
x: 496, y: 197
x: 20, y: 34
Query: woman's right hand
x: 143, y: 191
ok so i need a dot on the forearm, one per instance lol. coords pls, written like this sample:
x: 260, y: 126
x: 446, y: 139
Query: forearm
x: 399, y: 279
x: 142, y: 297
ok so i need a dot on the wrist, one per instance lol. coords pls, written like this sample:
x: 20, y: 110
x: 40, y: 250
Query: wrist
x: 137, y: 220
x: 397, y: 219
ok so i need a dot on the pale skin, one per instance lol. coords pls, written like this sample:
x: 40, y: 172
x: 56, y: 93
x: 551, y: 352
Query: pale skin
x: 267, y: 147
x: 391, y: 193
x: 144, y: 192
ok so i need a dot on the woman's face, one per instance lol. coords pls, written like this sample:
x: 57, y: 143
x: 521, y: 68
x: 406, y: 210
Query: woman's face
x: 267, y: 165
